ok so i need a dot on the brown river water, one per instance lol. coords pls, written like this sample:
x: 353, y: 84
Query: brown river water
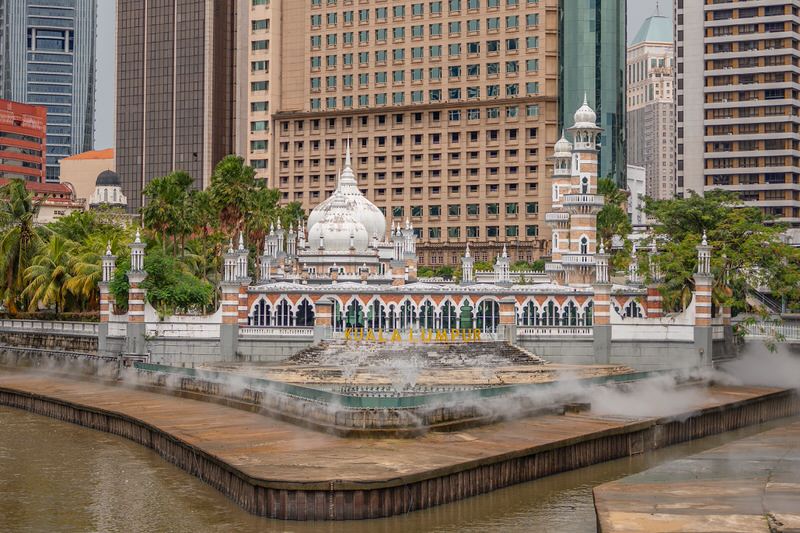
x: 55, y: 476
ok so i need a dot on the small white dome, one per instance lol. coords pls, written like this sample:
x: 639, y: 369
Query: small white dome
x: 562, y: 148
x: 585, y: 116
x: 338, y: 228
x: 360, y: 208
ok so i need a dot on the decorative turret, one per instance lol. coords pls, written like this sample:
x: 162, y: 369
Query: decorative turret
x: 229, y: 264
x: 585, y: 131
x: 652, y: 258
x: 109, y: 265
x: 704, y: 257
x: 562, y: 157
x: 467, y: 264
x: 242, y: 255
x: 634, y: 276
x: 137, y: 253
x: 502, y: 269
x: 291, y: 242
x: 601, y: 266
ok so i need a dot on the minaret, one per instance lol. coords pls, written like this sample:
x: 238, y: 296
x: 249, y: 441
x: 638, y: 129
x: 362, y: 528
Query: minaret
x: 703, y: 281
x: 583, y: 203
x: 558, y: 218
x: 136, y: 343
x: 467, y: 264
x: 109, y: 266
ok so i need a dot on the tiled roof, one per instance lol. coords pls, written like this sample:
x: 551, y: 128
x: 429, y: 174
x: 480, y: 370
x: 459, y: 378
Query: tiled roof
x: 108, y: 153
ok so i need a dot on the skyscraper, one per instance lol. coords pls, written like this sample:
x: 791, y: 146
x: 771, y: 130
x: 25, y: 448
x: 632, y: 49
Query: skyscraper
x: 175, y: 90
x: 47, y: 49
x: 592, y: 45
x: 737, y: 102
x: 450, y: 107
x: 651, y: 106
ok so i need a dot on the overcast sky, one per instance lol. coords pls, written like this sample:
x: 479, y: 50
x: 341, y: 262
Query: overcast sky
x: 638, y: 10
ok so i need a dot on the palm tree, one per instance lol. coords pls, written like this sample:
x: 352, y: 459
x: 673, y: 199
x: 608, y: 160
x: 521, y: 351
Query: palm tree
x: 47, y: 277
x: 231, y: 190
x: 166, y: 207
x: 20, y: 241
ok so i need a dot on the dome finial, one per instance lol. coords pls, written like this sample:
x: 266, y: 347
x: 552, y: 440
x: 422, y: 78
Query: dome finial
x: 108, y: 248
x: 505, y: 252
x: 585, y: 99
x: 705, y: 240
x: 241, y: 241
x: 138, y: 238
x: 347, y: 160
x: 466, y: 253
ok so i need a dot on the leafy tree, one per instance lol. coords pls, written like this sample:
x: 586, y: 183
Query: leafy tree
x: 747, y: 249
x: 48, y: 275
x: 20, y: 240
x: 166, y: 207
x: 613, y: 220
x: 232, y: 186
x: 524, y: 266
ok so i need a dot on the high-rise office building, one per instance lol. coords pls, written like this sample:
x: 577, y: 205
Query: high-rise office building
x: 450, y: 107
x: 737, y: 101
x: 47, y: 57
x: 175, y: 89
x: 651, y: 105
x: 591, y: 56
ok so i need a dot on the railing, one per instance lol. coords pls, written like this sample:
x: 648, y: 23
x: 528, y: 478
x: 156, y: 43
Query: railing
x: 777, y: 331
x: 587, y: 199
x: 182, y: 330
x: 75, y: 328
x: 251, y: 331
x: 556, y: 217
x: 578, y: 259
x: 554, y: 331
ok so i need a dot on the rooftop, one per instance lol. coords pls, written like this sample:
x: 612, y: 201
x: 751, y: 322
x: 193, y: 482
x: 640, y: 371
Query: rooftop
x: 108, y: 153
x: 656, y: 29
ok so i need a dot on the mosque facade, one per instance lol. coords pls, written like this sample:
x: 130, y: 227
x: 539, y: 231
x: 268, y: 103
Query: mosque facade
x: 343, y: 275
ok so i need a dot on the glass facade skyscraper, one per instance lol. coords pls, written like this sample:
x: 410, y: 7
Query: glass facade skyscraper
x: 47, y: 50
x: 592, y: 48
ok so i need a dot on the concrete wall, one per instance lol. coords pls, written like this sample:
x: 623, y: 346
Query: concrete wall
x: 50, y: 341
x: 267, y: 351
x: 562, y: 350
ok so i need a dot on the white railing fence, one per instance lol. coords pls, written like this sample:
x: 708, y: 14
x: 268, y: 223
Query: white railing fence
x: 276, y: 332
x: 553, y: 331
x: 75, y: 328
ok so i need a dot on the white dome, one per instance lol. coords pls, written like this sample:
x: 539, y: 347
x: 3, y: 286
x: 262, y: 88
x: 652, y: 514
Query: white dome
x: 585, y: 116
x: 562, y: 148
x: 336, y: 230
x: 361, y: 209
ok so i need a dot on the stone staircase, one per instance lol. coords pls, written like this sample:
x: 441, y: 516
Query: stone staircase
x: 439, y: 355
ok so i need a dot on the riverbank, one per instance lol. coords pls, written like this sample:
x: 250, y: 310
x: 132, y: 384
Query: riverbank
x: 750, y: 485
x: 279, y: 470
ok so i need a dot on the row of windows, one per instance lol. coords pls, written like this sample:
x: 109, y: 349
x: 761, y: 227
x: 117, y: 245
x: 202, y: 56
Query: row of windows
x: 417, y: 97
x: 454, y: 27
x: 435, y: 7
x: 417, y: 53
x: 454, y: 72
x: 531, y: 230
x: 493, y: 46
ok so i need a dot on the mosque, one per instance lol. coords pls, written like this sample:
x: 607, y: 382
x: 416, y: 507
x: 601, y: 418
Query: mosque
x: 343, y: 275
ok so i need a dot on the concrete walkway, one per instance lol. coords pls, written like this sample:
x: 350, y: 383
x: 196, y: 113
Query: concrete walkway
x: 747, y: 486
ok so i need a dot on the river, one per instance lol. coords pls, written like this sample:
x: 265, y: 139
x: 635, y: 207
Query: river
x: 55, y: 476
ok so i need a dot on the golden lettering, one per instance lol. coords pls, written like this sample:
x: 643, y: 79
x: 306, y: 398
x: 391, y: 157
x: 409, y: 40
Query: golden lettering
x: 476, y: 335
x: 380, y: 336
x: 396, y: 336
x: 426, y: 335
x: 454, y: 334
x: 411, y: 335
x: 370, y: 335
x: 347, y: 332
x: 441, y: 335
x: 360, y: 335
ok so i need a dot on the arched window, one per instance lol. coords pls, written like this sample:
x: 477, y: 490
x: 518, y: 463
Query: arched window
x: 569, y: 315
x: 262, y: 314
x: 586, y: 318
x: 392, y: 318
x: 488, y: 317
x: 376, y: 315
x: 426, y: 316
x: 584, y: 245
x: 354, y: 315
x: 305, y: 314
x: 549, y: 314
x: 283, y: 314
x: 633, y: 310
x: 408, y: 315
x: 449, y: 318
x: 465, y: 316
x: 555, y: 241
x: 529, y: 314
